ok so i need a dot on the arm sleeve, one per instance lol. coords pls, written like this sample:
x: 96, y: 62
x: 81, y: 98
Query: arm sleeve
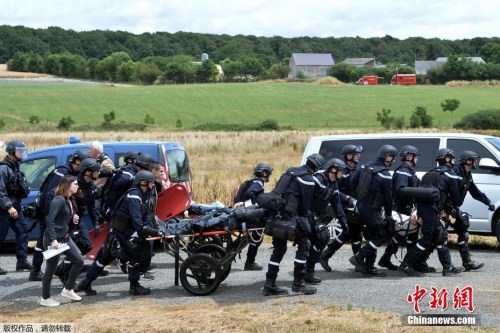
x: 56, y: 206
x: 5, y: 202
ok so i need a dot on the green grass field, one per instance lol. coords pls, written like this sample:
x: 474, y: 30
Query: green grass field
x: 300, y: 105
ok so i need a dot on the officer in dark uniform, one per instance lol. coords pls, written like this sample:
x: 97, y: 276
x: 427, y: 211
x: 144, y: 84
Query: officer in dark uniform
x: 299, y: 195
x: 434, y: 232
x: 379, y: 195
x: 352, y: 155
x: 131, y: 224
x: 467, y: 161
x: 13, y: 188
x: 45, y: 198
x: 254, y: 187
x: 326, y: 193
x: 403, y: 177
x: 130, y: 157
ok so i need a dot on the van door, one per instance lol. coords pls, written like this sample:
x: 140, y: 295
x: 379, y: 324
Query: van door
x: 485, y: 179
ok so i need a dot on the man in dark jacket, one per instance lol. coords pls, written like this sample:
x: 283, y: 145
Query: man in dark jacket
x: 13, y: 188
x: 467, y: 161
x: 374, y: 194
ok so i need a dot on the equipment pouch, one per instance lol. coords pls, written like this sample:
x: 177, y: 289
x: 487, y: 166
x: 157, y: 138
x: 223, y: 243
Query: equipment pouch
x: 281, y: 229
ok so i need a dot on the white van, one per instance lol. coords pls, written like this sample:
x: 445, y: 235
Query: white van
x: 486, y: 176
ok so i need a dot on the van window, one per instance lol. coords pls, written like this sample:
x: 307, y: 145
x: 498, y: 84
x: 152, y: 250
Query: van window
x: 459, y: 145
x: 37, y: 170
x: 178, y: 166
x: 427, y: 147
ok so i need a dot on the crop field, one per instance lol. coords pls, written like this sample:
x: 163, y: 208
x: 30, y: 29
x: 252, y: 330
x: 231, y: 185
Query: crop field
x: 304, y: 106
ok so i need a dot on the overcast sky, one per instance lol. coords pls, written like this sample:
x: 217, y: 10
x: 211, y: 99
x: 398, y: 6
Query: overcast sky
x: 445, y: 19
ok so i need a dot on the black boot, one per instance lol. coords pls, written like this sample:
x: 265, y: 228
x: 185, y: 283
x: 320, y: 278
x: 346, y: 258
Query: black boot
x: 311, y: 277
x: 86, y: 286
x: 252, y: 266
x: 299, y: 286
x: 422, y: 266
x: 452, y: 270
x: 271, y: 289
x: 3, y: 271
x: 36, y: 274
x: 409, y: 270
x: 385, y: 261
x: 137, y: 290
x: 324, y: 257
x: 469, y: 264
x: 23, y: 265
x: 358, y: 262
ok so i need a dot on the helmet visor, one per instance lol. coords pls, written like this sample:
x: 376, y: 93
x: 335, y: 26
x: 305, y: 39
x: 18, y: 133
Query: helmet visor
x: 21, y: 153
x: 358, y: 149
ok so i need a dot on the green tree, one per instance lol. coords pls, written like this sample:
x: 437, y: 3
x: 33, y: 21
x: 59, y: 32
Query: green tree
x: 126, y: 71
x: 450, y: 105
x: 109, y: 117
x: 147, y: 73
x: 385, y: 118
x: 279, y: 71
x: 420, y: 118
x: 207, y: 72
x: 34, y: 120
x: 65, y: 123
x: 253, y: 67
x: 490, y: 52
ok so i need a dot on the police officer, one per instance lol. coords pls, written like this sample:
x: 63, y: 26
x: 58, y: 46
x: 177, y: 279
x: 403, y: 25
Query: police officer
x: 352, y: 155
x: 403, y: 177
x: 434, y: 232
x: 467, y: 161
x: 124, y: 178
x: 252, y: 189
x: 326, y: 193
x: 131, y: 224
x: 47, y: 193
x: 130, y: 157
x: 13, y: 188
x: 374, y: 193
x: 298, y: 195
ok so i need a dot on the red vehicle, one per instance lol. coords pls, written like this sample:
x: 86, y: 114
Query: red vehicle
x: 368, y: 80
x: 404, y: 79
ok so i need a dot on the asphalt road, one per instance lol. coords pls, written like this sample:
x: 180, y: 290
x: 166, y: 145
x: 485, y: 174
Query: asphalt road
x: 342, y: 287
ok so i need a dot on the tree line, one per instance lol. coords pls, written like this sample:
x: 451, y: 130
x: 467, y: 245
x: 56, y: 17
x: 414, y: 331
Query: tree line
x: 171, y: 57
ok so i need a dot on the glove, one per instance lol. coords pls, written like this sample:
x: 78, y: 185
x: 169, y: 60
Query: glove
x: 351, y: 202
x: 491, y: 207
x: 97, y: 230
x: 345, y: 231
x: 148, y: 231
x: 303, y: 222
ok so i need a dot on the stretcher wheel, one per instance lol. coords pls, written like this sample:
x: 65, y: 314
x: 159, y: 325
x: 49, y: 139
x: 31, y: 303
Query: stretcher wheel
x: 200, y: 274
x: 218, y: 253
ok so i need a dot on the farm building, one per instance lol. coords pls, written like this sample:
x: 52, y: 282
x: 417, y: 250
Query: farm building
x: 360, y: 62
x: 312, y: 65
x: 422, y: 67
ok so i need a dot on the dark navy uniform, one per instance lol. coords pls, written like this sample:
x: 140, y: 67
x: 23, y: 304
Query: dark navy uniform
x: 255, y: 188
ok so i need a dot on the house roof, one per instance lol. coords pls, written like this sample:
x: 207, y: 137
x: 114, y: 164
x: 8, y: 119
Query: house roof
x: 422, y: 67
x: 317, y: 59
x: 478, y: 60
x: 357, y: 61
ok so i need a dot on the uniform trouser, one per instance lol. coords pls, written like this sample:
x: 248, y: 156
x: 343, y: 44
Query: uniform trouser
x: 279, y: 250
x: 139, y: 260
x: 393, y: 245
x: 355, y: 235
x: 38, y: 254
x: 20, y: 228
x: 104, y: 257
x: 253, y: 246
x: 462, y: 230
x: 74, y: 255
x: 375, y: 233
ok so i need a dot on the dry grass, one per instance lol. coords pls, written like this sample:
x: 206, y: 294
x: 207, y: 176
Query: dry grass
x: 462, y: 83
x: 329, y: 81
x: 4, y: 73
x: 211, y: 317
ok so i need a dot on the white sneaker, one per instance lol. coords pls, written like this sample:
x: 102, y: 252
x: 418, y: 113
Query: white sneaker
x: 49, y: 302
x: 70, y: 294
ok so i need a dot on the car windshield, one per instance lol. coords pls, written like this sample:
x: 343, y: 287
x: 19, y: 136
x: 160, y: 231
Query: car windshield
x: 178, y: 166
x: 495, y: 142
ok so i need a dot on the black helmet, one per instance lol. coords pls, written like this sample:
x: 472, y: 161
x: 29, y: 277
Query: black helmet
x: 468, y: 155
x: 80, y: 154
x: 131, y: 154
x: 352, y: 149
x: 335, y: 163
x: 443, y: 152
x: 407, y: 150
x: 144, y: 160
x: 315, y: 161
x: 17, y: 149
x: 146, y: 176
x: 261, y: 167
x: 89, y: 164
x: 387, y: 150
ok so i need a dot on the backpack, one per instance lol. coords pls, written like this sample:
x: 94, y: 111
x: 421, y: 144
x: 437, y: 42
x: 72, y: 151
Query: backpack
x: 103, y: 194
x: 20, y: 187
x: 364, y: 191
x: 41, y: 199
x: 274, y: 200
x: 240, y: 195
